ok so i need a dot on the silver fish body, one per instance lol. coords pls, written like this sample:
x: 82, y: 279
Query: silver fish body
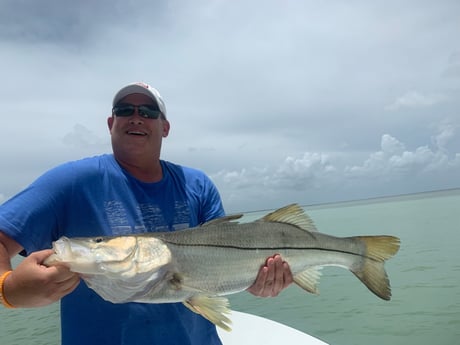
x: 197, y: 265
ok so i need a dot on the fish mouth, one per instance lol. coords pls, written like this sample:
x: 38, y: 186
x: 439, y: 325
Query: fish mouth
x: 62, y: 247
x: 69, y: 250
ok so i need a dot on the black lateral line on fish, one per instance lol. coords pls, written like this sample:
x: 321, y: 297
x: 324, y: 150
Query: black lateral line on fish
x: 276, y: 248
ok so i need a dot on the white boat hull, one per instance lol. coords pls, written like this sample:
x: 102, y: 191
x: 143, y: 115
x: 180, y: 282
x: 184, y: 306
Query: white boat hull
x: 255, y: 330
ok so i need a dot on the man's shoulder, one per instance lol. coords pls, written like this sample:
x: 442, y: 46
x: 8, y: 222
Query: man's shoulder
x: 188, y: 172
x: 78, y: 169
x: 93, y: 160
x: 87, y: 163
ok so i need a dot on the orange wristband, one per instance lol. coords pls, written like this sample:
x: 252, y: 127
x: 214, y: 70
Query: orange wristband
x: 2, y: 293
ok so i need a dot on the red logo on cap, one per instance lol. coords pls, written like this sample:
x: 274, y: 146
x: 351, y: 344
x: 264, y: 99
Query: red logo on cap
x: 145, y: 86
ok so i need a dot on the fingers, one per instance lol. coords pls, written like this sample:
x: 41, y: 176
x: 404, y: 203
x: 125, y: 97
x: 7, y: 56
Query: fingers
x: 57, y: 274
x: 279, y: 275
x: 272, y: 283
x: 257, y: 288
x: 287, y: 275
x: 60, y: 273
x: 272, y: 278
x: 61, y: 280
x: 32, y: 284
x: 41, y: 255
x: 66, y: 285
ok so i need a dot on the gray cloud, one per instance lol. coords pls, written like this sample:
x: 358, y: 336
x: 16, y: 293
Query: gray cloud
x: 393, y: 164
x: 413, y: 99
x: 277, y: 101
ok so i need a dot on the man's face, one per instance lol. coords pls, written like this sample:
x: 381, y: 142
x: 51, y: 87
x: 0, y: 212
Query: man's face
x: 134, y: 134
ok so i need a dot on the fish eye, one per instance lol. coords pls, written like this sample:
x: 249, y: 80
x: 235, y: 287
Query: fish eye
x: 98, y: 239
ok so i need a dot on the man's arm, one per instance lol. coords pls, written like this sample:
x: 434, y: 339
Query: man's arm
x: 32, y: 284
x: 273, y: 277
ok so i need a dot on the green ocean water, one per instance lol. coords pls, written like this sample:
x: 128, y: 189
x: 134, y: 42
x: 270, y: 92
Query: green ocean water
x: 425, y: 278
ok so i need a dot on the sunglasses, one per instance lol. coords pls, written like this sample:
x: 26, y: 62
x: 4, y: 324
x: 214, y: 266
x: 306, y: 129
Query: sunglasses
x: 147, y: 111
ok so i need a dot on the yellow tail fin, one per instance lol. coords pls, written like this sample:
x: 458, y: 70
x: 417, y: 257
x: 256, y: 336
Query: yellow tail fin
x: 372, y: 272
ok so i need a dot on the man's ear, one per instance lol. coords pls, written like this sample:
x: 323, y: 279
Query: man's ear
x: 166, y: 127
x: 110, y: 122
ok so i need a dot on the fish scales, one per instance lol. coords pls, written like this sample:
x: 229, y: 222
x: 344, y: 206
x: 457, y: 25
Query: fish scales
x: 198, y: 266
x: 234, y: 258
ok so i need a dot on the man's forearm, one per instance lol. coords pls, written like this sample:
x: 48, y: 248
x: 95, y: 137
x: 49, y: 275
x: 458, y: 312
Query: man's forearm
x: 8, y: 249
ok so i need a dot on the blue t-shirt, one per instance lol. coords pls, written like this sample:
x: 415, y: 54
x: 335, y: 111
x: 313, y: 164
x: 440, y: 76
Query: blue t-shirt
x: 93, y: 197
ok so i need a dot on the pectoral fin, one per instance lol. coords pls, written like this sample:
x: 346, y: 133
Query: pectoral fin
x: 212, y: 308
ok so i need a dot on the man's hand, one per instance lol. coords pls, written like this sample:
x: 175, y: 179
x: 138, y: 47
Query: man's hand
x: 32, y: 284
x: 273, y: 277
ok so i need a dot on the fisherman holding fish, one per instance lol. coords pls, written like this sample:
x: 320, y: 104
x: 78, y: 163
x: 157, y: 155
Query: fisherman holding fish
x: 128, y: 192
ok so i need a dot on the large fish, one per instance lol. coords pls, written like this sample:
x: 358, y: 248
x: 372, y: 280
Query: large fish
x: 198, y: 265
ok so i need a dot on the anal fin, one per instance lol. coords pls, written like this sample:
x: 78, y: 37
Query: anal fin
x: 308, y: 279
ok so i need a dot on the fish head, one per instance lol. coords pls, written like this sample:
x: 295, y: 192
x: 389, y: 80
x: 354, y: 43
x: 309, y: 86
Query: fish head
x: 95, y: 255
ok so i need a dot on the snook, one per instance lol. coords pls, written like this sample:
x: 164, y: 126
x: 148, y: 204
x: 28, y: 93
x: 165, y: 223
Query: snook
x: 197, y: 265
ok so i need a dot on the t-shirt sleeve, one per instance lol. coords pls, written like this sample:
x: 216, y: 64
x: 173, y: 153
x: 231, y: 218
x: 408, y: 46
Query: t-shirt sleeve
x: 211, y: 202
x: 32, y: 217
x: 203, y: 195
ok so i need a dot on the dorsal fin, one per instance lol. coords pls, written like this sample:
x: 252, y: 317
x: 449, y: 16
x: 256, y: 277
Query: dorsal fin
x: 223, y: 219
x: 292, y: 214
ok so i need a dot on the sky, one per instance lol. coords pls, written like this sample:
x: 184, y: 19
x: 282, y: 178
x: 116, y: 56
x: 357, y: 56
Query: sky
x: 278, y: 101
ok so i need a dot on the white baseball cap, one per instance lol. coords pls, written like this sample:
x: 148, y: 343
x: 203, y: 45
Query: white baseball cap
x: 143, y: 88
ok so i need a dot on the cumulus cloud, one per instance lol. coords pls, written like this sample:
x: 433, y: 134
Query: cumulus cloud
x: 391, y: 145
x: 446, y: 132
x: 316, y: 169
x: 303, y: 172
x: 82, y: 137
x: 293, y: 173
x: 244, y: 178
x: 393, y: 163
x: 289, y: 103
x: 393, y: 160
x: 414, y: 99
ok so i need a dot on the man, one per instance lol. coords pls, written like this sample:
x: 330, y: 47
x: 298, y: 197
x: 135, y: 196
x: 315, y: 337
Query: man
x: 129, y: 191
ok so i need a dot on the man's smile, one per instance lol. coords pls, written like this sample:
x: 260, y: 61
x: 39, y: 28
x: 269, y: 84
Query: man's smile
x: 136, y: 132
